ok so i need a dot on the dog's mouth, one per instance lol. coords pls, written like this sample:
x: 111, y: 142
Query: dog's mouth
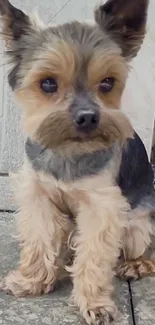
x: 58, y: 131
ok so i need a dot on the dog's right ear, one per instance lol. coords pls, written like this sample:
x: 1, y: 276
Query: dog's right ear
x: 15, y: 23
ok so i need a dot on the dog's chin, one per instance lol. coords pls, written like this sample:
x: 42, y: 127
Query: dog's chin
x: 59, y: 133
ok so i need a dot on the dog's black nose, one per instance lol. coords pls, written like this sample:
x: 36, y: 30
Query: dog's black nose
x: 86, y: 120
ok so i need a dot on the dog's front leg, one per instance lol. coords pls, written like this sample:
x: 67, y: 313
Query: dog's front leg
x: 97, y: 247
x: 42, y: 231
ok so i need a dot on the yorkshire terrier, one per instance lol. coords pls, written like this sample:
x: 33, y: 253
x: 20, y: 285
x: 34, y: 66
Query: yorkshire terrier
x: 86, y: 186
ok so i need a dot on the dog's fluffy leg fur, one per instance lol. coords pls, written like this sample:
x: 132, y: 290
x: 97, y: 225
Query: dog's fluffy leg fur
x: 137, y: 241
x: 42, y: 229
x: 97, y: 245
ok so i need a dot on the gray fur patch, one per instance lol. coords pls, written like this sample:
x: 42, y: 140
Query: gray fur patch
x: 64, y: 168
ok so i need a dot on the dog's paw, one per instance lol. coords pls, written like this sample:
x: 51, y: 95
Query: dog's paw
x: 4, y: 288
x: 136, y: 269
x: 101, y: 315
x: 2, y: 284
x: 13, y: 284
x: 18, y: 285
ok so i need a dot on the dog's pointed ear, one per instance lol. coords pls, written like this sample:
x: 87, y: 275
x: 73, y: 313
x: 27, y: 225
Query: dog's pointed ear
x: 18, y: 31
x: 125, y: 22
x: 15, y: 23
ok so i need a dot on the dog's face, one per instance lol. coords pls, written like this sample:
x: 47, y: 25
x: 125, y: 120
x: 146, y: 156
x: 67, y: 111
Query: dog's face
x: 70, y: 78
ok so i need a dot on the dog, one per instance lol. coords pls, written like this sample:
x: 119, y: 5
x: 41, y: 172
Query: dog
x: 85, y: 192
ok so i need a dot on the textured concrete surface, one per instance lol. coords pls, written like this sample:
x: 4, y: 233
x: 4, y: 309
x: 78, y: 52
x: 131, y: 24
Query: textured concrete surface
x: 144, y: 301
x: 6, y: 194
x: 51, y: 309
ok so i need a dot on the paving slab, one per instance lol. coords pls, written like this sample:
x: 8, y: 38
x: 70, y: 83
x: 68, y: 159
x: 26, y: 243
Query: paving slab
x: 6, y: 194
x: 52, y: 309
x: 143, y: 293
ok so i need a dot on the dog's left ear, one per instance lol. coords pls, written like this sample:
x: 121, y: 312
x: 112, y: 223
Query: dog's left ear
x: 125, y: 22
x: 15, y: 23
x: 18, y: 31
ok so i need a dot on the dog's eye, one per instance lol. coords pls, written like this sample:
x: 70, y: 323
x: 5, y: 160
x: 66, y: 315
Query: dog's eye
x: 107, y: 85
x: 49, y: 85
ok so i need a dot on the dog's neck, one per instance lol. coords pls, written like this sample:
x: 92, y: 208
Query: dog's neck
x: 70, y: 169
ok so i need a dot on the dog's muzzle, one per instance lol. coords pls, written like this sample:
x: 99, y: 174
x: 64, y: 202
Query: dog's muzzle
x: 85, y: 113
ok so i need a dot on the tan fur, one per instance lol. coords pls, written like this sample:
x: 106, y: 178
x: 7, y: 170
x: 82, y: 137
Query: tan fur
x: 59, y: 60
x: 136, y: 269
x: 62, y: 135
x: 104, y: 65
x: 41, y: 245
x: 78, y: 226
x: 138, y: 234
x: 47, y: 120
x: 96, y: 247
x: 137, y: 240
x: 47, y: 117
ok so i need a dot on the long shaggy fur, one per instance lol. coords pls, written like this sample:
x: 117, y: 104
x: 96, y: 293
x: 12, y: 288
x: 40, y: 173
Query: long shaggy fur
x: 84, y: 198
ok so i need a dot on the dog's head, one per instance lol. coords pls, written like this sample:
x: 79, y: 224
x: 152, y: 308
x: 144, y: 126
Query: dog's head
x: 70, y: 78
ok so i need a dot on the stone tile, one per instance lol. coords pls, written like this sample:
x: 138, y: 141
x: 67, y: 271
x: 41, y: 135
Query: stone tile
x: 6, y: 194
x: 144, y: 301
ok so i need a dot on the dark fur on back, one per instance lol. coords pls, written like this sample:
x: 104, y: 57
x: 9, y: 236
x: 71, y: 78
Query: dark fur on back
x: 136, y: 175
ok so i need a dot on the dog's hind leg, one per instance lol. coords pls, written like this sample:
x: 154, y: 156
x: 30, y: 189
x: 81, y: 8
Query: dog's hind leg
x: 138, y: 248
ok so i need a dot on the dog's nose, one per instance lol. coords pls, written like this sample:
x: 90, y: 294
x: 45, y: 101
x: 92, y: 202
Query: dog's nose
x: 87, y: 120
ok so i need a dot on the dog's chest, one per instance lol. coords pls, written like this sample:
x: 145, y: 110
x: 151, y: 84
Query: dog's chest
x: 67, y: 169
